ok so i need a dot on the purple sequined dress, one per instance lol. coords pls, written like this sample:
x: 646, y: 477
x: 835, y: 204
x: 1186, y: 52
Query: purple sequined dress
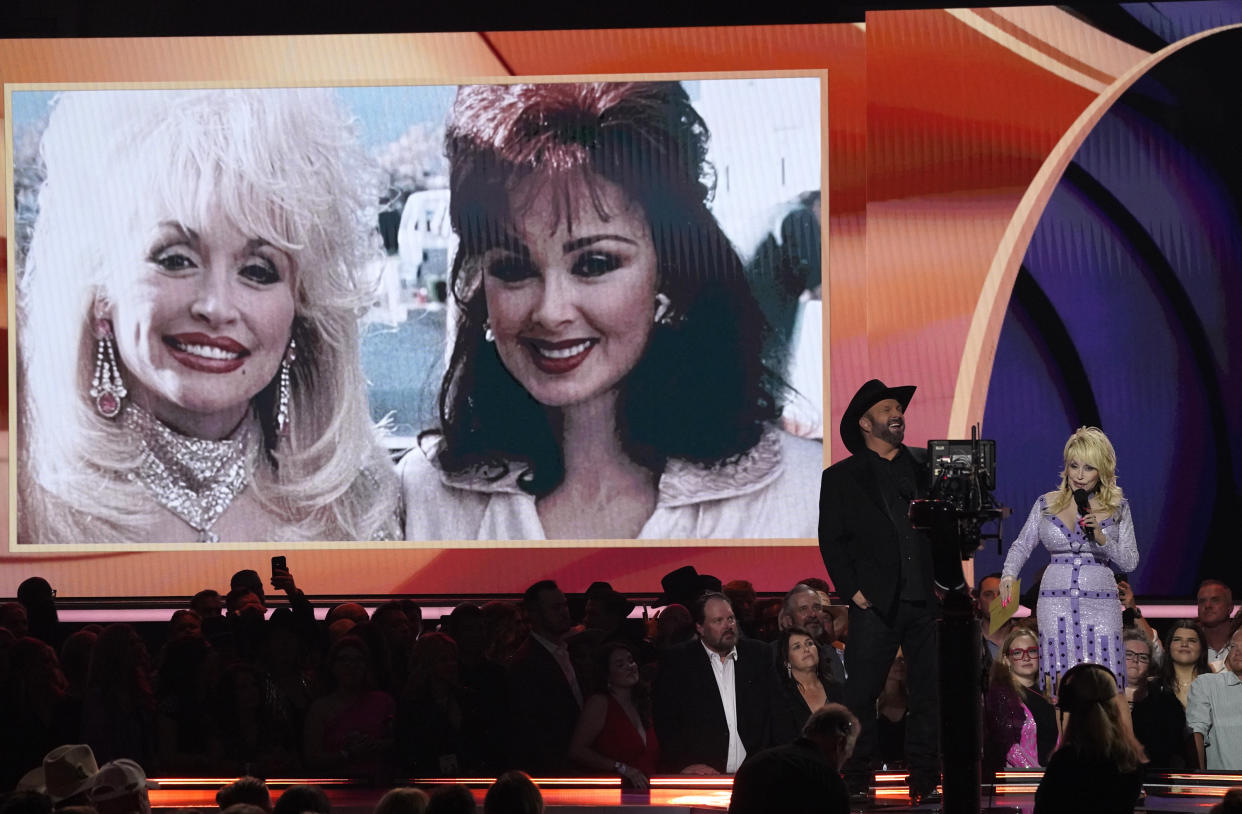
x: 1078, y: 611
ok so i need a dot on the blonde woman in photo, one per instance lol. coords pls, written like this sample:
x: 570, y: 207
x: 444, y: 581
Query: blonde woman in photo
x: 187, y: 323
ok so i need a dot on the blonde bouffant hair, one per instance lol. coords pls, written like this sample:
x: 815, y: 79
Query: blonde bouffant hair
x: 285, y: 165
x: 1089, y: 445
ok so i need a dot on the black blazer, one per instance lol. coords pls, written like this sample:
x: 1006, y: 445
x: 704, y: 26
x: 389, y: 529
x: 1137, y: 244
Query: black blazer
x: 542, y: 710
x: 689, y: 715
x: 857, y: 537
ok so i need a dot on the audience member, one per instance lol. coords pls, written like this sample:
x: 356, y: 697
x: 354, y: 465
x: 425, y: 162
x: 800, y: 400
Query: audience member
x: 208, y: 604
x: 608, y: 611
x: 1013, y: 735
x: 742, y: 594
x: 30, y: 701
x: 438, y: 720
x: 1132, y: 617
x: 482, y: 681
x: 242, y: 808
x: 64, y: 776
x: 302, y: 799
x: 987, y: 590
x: 768, y: 618
x: 713, y: 697
x: 120, y: 787
x: 543, y: 690
x: 402, y: 800
x: 350, y: 729
x: 614, y: 733
x: 394, y: 626
x: 13, y: 619
x: 1187, y: 657
x: 1231, y: 803
x: 803, y: 777
x: 674, y: 626
x: 39, y: 599
x: 118, y: 712
x: 504, y: 630
x: 684, y: 585
x: 803, y: 608
x: 513, y: 793
x: 1158, y: 717
x: 185, y: 721
x: 804, y: 683
x: 454, y: 799
x: 185, y: 623
x: 1096, y: 766
x: 1215, y: 601
x: 1214, y: 711
x: 246, y: 789
x: 257, y: 730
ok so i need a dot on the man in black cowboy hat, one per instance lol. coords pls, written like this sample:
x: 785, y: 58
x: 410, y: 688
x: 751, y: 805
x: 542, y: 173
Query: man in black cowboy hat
x: 883, y: 567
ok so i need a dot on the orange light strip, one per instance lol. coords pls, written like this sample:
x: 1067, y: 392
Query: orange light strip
x: 682, y: 781
x: 571, y: 782
x: 172, y: 782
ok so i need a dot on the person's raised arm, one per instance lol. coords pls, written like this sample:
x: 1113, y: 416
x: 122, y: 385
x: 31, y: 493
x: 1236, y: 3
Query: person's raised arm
x: 1020, y: 550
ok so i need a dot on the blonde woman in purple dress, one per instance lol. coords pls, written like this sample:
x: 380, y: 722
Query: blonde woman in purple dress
x: 1086, y: 527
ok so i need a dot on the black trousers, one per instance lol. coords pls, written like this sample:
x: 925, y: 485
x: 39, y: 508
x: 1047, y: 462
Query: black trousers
x: 873, y: 644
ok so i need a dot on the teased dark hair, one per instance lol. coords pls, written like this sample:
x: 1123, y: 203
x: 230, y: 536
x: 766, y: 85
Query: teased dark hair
x: 646, y: 138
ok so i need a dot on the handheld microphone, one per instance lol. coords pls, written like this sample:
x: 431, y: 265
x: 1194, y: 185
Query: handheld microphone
x: 1084, y: 508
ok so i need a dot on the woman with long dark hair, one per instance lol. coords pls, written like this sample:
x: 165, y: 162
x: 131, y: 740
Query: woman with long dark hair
x: 607, y: 376
x: 614, y: 734
x: 1096, y: 767
x: 1185, y: 648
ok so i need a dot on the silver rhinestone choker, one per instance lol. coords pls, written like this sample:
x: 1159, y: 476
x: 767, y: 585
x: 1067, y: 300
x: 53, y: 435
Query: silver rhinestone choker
x: 194, y: 478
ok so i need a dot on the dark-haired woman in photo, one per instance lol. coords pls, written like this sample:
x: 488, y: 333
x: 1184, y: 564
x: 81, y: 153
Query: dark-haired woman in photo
x: 1185, y: 648
x: 607, y: 376
x: 805, y: 684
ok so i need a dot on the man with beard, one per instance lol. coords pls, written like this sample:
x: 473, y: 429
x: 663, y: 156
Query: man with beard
x: 883, y: 566
x: 713, y: 695
x: 803, y: 608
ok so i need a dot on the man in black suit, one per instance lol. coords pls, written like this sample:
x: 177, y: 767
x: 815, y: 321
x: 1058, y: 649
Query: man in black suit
x: 802, y: 777
x: 544, y: 695
x: 713, y: 696
x: 883, y: 566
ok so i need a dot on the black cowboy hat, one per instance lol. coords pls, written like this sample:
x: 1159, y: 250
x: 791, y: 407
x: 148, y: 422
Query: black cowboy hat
x: 684, y: 585
x: 868, y: 396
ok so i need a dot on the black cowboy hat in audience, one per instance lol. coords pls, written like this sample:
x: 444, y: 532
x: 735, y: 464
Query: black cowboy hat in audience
x: 684, y: 585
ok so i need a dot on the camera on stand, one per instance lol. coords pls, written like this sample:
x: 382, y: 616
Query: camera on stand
x: 958, y: 506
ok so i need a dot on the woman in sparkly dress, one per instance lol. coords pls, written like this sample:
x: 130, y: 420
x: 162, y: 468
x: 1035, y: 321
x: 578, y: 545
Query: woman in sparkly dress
x: 187, y: 323
x: 1078, y: 611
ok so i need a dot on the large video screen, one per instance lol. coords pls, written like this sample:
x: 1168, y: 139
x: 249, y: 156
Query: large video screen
x: 1029, y: 213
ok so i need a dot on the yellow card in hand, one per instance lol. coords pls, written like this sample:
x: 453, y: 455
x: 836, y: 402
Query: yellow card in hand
x: 1000, y: 614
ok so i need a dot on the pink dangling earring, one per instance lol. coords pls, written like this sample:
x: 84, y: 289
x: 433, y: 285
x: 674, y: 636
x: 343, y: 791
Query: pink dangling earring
x: 286, y: 386
x: 107, y: 388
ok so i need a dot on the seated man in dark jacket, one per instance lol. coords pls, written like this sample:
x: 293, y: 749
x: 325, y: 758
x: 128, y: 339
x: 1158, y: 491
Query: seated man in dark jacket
x: 803, y: 776
x: 713, y: 696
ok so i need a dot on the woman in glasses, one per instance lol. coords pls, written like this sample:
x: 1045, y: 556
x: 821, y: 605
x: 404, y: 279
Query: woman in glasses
x: 1159, y: 718
x: 1019, y: 725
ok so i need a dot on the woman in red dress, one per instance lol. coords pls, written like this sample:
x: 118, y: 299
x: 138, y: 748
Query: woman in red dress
x: 614, y: 731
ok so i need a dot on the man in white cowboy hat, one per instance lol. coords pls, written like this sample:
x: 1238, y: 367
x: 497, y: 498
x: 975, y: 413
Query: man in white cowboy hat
x: 882, y: 566
x: 65, y: 775
x: 120, y: 787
